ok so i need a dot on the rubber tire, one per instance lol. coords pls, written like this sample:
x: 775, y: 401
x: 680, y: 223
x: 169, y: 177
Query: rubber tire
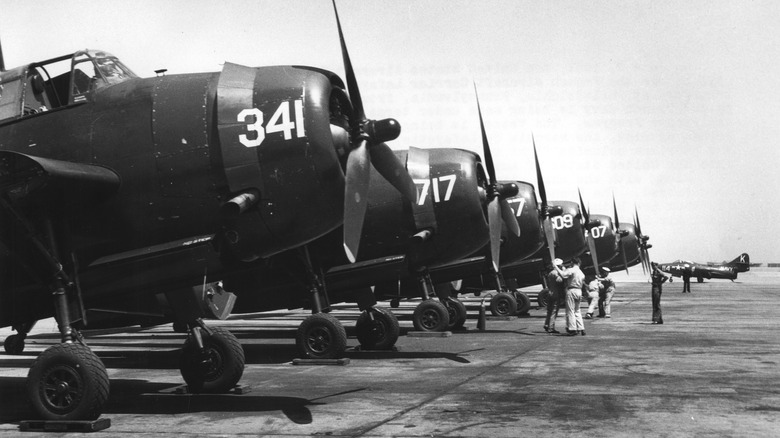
x: 503, y: 304
x: 81, y: 371
x: 14, y: 344
x: 431, y: 316
x: 523, y: 303
x: 381, y: 333
x: 700, y: 279
x: 321, y: 336
x: 543, y: 298
x: 227, y: 357
x: 456, y: 311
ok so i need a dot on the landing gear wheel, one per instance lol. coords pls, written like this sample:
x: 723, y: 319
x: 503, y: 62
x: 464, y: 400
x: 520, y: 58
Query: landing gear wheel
x: 543, y: 298
x: 700, y: 279
x: 220, y: 369
x: 431, y: 316
x: 379, y: 334
x: 457, y: 313
x: 14, y: 344
x: 503, y: 304
x: 67, y: 382
x: 523, y: 303
x: 321, y: 336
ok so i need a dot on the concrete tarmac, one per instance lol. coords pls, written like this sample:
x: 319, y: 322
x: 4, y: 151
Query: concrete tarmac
x: 710, y: 370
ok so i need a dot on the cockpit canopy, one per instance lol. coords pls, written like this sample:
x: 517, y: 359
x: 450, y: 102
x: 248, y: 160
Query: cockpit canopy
x: 58, y: 82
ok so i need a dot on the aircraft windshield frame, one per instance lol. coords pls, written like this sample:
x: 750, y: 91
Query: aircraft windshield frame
x: 106, y: 68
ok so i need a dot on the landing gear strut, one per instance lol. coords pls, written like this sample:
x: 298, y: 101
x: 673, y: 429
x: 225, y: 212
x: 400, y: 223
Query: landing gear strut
x: 320, y: 335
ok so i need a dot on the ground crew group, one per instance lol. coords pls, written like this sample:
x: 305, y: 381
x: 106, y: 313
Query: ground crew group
x: 567, y: 285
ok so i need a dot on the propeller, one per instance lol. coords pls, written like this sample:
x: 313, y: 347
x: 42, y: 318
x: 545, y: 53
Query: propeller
x: 589, y: 227
x: 498, y: 208
x: 643, y: 245
x: 370, y: 136
x: 549, y: 233
x: 621, y: 233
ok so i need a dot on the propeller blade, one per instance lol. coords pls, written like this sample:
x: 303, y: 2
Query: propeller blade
x: 614, y: 206
x: 623, y: 253
x: 2, y: 60
x: 485, y: 146
x: 356, y: 198
x: 393, y: 170
x: 585, y: 212
x: 494, y: 220
x: 352, y: 86
x: 592, y: 249
x: 549, y: 235
x: 539, y: 179
x: 509, y: 217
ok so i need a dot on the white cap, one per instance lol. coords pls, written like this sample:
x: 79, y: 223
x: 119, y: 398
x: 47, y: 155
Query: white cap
x: 605, y: 269
x: 557, y: 262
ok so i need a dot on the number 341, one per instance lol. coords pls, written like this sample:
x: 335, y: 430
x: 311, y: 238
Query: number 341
x: 283, y: 120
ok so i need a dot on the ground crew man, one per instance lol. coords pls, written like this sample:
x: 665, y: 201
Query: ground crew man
x: 594, y: 287
x: 555, y: 285
x: 606, y: 294
x: 686, y: 276
x: 575, y: 281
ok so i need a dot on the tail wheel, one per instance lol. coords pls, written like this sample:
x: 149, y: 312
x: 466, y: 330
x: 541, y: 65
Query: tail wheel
x: 431, y: 316
x: 321, y: 336
x: 457, y: 313
x: 381, y: 333
x: 219, y: 369
x: 523, y: 303
x: 503, y: 304
x: 68, y: 382
x: 543, y: 298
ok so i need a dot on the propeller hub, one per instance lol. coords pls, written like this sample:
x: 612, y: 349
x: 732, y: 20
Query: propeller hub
x: 380, y: 131
x: 507, y: 190
x: 553, y: 210
x: 593, y: 224
x: 645, y: 238
x: 648, y: 246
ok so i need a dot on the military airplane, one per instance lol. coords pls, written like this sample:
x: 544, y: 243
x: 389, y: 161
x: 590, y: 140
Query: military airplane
x: 726, y: 271
x: 112, y: 186
x: 562, y: 234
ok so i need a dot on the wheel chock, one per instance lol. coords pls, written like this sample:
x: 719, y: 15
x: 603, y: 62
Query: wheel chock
x: 446, y: 334
x: 64, y: 426
x: 238, y: 390
x: 343, y: 361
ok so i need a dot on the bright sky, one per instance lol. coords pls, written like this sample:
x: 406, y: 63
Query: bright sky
x: 672, y: 105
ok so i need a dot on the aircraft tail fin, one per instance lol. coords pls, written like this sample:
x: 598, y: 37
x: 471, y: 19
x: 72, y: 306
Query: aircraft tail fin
x: 742, y: 263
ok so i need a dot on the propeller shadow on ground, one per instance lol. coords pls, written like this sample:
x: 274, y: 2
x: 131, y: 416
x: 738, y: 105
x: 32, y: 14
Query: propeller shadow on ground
x: 141, y: 397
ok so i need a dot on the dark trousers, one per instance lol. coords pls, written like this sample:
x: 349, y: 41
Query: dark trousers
x: 657, y: 317
x: 686, y: 284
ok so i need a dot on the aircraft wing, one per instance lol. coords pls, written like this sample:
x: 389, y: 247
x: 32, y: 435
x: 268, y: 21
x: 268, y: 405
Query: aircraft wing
x: 54, y: 182
x: 366, y: 273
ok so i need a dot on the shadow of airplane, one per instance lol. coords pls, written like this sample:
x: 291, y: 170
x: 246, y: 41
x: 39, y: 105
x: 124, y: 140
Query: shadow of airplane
x: 141, y: 397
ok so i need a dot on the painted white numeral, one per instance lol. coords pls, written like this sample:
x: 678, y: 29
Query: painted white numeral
x: 561, y: 222
x: 257, y: 127
x: 451, y: 180
x: 427, y: 184
x: 280, y: 122
x: 520, y: 207
x: 598, y: 232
